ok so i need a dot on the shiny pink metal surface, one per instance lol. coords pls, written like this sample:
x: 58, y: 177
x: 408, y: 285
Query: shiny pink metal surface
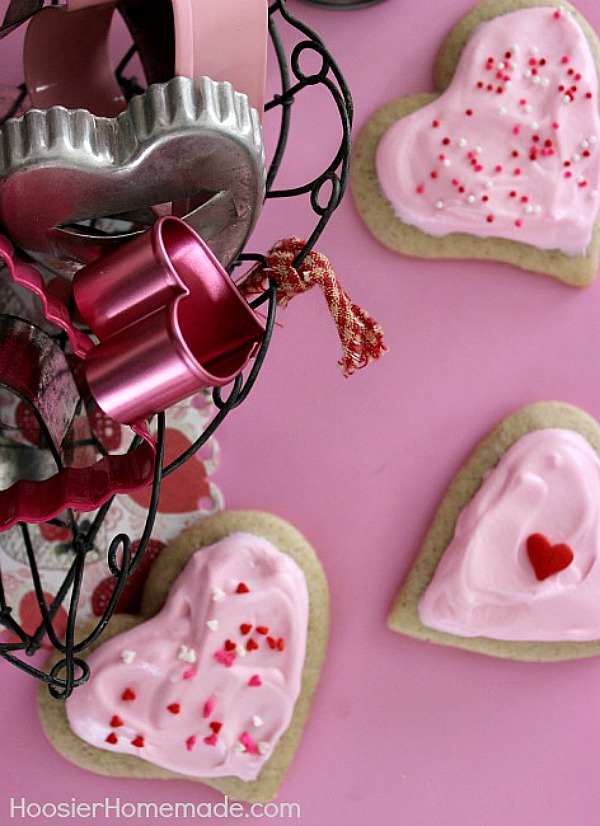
x: 82, y: 488
x: 169, y: 320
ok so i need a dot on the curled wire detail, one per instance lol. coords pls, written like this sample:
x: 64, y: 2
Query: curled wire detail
x: 324, y: 194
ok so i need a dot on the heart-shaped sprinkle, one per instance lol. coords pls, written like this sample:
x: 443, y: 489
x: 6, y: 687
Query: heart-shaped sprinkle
x: 213, y: 624
x: 128, y: 695
x: 242, y: 588
x: 174, y: 708
x: 245, y: 628
x: 116, y: 721
x: 510, y: 148
x: 251, y: 645
x: 138, y: 742
x: 226, y: 658
x: 254, y: 681
x: 229, y: 645
x: 249, y: 745
x: 211, y: 740
x: 128, y: 656
x: 257, y: 721
x: 547, y: 559
x: 112, y: 738
x: 216, y: 726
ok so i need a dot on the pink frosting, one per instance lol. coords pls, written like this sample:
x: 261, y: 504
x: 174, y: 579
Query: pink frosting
x: 206, y: 687
x: 510, y: 149
x: 548, y: 482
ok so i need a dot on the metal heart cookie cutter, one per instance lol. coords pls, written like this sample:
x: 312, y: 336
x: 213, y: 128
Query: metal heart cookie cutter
x: 169, y: 321
x: 191, y: 140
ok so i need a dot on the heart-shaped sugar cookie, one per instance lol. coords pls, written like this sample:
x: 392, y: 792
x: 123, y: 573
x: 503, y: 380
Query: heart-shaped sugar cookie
x: 503, y: 162
x: 213, y: 681
x: 511, y: 563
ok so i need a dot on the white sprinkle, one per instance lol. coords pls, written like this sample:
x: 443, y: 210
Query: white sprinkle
x: 217, y: 595
x: 594, y: 193
x: 566, y: 99
x: 257, y: 721
x: 477, y: 150
x: 501, y: 65
x: 263, y: 747
x: 240, y: 748
x: 446, y: 162
x: 534, y: 124
x: 545, y: 81
x: 527, y: 108
x: 240, y: 651
x: 528, y: 73
x: 592, y: 139
x: 462, y: 142
x: 528, y: 209
x: 534, y: 50
x: 537, y: 209
x: 127, y: 656
x: 439, y: 204
x: 212, y: 624
x: 507, y: 84
x: 580, y: 179
x: 585, y: 144
x: 536, y: 79
x: 488, y: 184
x: 471, y: 199
x: 502, y: 110
x: 188, y: 655
x: 576, y: 157
x: 569, y: 13
x: 515, y: 48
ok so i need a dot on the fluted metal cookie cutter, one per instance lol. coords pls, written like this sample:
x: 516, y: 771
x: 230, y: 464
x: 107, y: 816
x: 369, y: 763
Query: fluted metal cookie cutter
x: 188, y: 141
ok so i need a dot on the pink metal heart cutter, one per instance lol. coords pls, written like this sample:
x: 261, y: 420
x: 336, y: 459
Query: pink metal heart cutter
x: 169, y: 322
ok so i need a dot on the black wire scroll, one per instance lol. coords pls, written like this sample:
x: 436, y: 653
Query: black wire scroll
x: 324, y: 194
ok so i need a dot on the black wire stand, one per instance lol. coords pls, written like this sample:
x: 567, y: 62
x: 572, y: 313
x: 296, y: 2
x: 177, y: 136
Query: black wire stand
x: 324, y: 194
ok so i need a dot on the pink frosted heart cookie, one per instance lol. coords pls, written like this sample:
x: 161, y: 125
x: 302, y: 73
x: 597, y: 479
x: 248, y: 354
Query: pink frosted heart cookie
x: 511, y: 563
x: 503, y: 162
x: 213, y: 681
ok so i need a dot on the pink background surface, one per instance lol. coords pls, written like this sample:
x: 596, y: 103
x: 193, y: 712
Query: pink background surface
x: 401, y: 732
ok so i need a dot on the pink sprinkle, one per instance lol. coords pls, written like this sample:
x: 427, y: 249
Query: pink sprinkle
x: 557, y: 15
x: 208, y: 709
x: 522, y: 102
x: 420, y: 189
x: 498, y: 168
x: 517, y: 171
x: 532, y: 61
x: 255, y: 681
x: 226, y: 658
x: 478, y: 167
x: 455, y: 182
x: 555, y: 125
x: 249, y: 743
x: 189, y: 674
x: 516, y: 130
x: 582, y: 183
x: 190, y: 742
x: 442, y: 157
x: 211, y: 740
x: 518, y: 223
x: 568, y: 174
x: 564, y: 59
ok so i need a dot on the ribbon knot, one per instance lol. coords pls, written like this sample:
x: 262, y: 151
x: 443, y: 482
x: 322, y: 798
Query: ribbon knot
x: 360, y: 335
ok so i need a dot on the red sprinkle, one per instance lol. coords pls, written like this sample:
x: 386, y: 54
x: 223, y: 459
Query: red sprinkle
x: 262, y: 629
x: 468, y: 112
x: 433, y: 174
x: 116, y: 722
x: 128, y: 694
x: 446, y: 141
x: 489, y: 219
x: 112, y: 738
x: 138, y: 742
x: 564, y: 59
x: 245, y: 628
x: 513, y: 194
x: 211, y: 740
x: 174, y: 708
x: 524, y: 199
x: 516, y: 130
x: 242, y: 588
x: 216, y: 726
x: 251, y: 645
x: 420, y: 189
x: 588, y: 95
x: 280, y: 644
x: 272, y: 642
x: 517, y: 171
x: 435, y: 124
x: 229, y: 645
x: 515, y: 153
x: 254, y: 681
x: 498, y: 168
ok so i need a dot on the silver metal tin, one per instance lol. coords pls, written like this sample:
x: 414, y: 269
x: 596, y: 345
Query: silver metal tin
x: 194, y: 143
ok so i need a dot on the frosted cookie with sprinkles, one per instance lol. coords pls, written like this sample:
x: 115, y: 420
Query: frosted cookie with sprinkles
x: 213, y: 681
x: 503, y: 162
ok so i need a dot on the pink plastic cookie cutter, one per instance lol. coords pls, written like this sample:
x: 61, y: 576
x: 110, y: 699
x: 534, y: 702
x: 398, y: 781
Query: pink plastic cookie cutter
x: 67, y: 61
x: 169, y: 319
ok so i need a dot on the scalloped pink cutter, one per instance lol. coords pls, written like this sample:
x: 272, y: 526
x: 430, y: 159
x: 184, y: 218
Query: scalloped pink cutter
x: 170, y: 321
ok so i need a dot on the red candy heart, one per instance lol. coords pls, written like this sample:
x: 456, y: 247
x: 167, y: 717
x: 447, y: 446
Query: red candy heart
x: 547, y: 559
